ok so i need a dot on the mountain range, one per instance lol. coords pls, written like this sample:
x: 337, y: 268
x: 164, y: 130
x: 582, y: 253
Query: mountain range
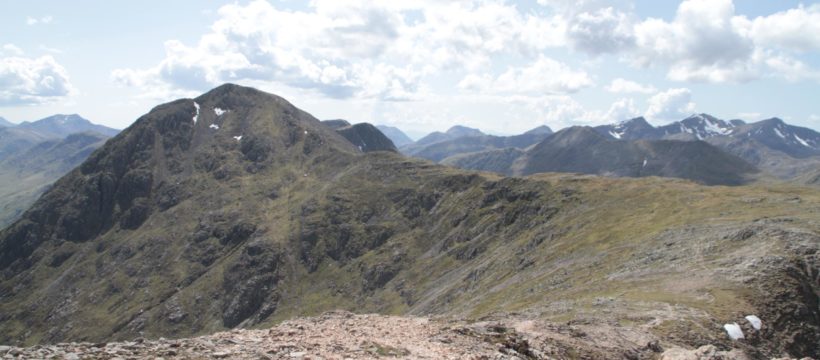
x: 237, y: 209
x: 35, y: 154
x: 768, y: 149
x: 583, y: 150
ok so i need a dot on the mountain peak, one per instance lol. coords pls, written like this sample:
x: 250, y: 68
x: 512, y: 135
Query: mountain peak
x: 772, y: 121
x: 62, y: 125
x: 543, y: 129
x: 460, y: 130
x: 574, y: 135
x: 638, y: 121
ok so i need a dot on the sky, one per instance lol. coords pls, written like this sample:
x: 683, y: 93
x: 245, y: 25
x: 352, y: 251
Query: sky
x: 421, y: 65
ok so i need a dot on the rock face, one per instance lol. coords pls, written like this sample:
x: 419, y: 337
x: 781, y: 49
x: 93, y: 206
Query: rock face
x: 197, y: 221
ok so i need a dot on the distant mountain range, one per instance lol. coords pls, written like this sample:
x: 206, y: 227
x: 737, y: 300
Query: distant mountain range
x: 583, y: 150
x: 778, y: 149
x: 35, y: 154
x: 461, y: 140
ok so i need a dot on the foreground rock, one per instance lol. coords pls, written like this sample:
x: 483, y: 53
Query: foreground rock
x: 343, y: 335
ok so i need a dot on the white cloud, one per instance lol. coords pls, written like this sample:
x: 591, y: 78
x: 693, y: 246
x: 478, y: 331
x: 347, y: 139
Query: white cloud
x: 11, y: 49
x: 622, y: 109
x: 27, y: 81
x: 792, y: 69
x: 543, y: 76
x: 620, y: 85
x: 700, y: 44
x: 672, y: 104
x: 604, y: 30
x: 42, y: 20
x: 347, y: 49
x: 794, y: 29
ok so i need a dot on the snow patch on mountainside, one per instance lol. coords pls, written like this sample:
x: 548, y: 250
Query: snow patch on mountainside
x: 197, y: 112
x: 777, y: 131
x: 802, y: 142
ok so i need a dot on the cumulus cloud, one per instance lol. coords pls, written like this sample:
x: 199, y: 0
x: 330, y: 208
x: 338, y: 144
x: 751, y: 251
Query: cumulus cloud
x: 672, y: 104
x: 700, y: 44
x: 346, y: 49
x: 621, y: 85
x: 704, y: 42
x: 544, y: 76
x: 604, y: 30
x: 794, y: 29
x: 28, y: 81
x: 792, y: 69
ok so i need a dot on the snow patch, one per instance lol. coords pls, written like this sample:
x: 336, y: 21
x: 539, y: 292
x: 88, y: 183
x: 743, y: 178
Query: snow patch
x: 802, y: 142
x: 734, y: 331
x: 238, y: 138
x: 755, y: 321
x: 777, y: 131
x: 214, y: 126
x: 714, y: 128
x: 615, y: 135
x: 197, y: 111
x: 219, y: 111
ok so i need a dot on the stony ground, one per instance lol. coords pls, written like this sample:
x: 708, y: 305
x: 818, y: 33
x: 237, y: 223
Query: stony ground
x: 343, y: 335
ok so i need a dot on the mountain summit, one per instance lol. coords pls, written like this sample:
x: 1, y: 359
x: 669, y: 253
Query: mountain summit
x: 63, y: 125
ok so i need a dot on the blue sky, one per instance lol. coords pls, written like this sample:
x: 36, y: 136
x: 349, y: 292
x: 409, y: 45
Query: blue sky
x: 501, y: 66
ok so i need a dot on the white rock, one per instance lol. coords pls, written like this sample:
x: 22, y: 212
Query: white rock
x: 734, y: 331
x: 755, y: 321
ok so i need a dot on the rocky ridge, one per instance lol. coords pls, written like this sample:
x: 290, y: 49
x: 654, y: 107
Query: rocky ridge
x: 344, y: 335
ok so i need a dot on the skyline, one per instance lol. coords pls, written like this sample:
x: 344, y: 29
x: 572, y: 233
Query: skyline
x: 501, y: 66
